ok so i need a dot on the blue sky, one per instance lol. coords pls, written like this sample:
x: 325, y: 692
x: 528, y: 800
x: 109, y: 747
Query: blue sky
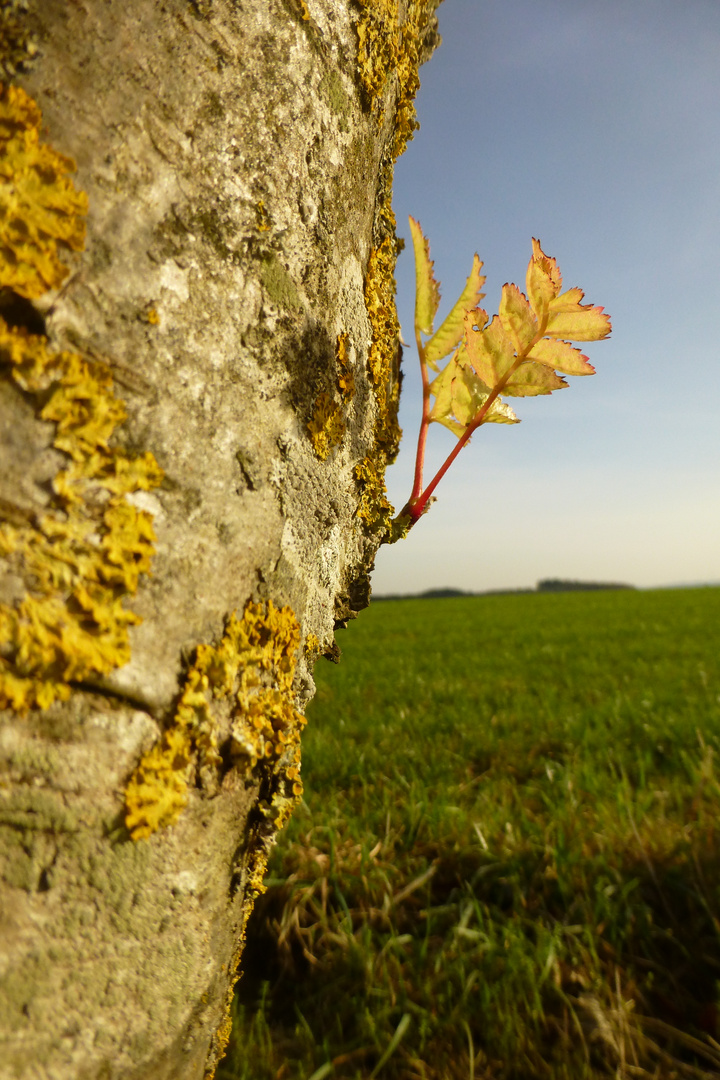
x: 596, y: 128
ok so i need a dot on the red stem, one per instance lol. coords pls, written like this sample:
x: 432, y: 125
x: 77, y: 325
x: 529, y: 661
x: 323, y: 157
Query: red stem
x: 416, y: 505
x: 424, y: 423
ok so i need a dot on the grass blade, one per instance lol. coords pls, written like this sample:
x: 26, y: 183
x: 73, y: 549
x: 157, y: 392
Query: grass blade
x: 394, y: 1043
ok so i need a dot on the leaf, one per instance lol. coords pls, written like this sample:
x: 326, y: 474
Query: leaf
x: 543, y: 281
x: 427, y: 290
x: 568, y: 318
x: 517, y: 317
x: 450, y: 332
x: 468, y: 393
x: 441, y: 389
x: 532, y: 379
x: 562, y: 356
x: 491, y: 351
x: 500, y: 413
x: 519, y: 352
x: 568, y: 300
x: 460, y: 394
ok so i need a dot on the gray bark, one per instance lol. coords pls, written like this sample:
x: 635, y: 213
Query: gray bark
x: 237, y: 176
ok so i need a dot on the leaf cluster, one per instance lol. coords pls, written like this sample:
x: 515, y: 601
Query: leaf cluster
x: 518, y: 353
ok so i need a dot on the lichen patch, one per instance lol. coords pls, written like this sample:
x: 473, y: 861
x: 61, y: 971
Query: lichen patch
x: 374, y: 507
x: 387, y: 47
x: 326, y: 427
x: 85, y: 554
x: 382, y: 358
x: 345, y: 377
x: 81, y: 558
x: 251, y: 672
x: 40, y: 209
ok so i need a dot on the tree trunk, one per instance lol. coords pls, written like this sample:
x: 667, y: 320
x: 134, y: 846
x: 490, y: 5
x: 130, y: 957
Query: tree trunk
x: 173, y: 566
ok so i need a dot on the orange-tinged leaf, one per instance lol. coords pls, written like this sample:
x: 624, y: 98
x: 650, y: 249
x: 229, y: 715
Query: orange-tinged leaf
x: 582, y: 322
x: 543, y: 281
x: 562, y: 356
x: 532, y: 379
x: 451, y: 329
x: 427, y: 290
x: 568, y: 300
x: 477, y: 318
x: 469, y: 394
x: 491, y: 351
x: 519, y: 353
x: 517, y: 317
x: 500, y: 413
x: 441, y: 389
x: 459, y: 396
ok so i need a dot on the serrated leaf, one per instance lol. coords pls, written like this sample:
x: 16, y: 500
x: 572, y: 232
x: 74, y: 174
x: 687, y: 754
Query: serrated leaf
x: 491, y: 351
x: 517, y: 317
x: 543, y: 281
x: 477, y: 318
x: 501, y: 413
x: 468, y: 393
x: 459, y: 396
x: 441, y: 388
x: 568, y: 300
x: 532, y: 379
x: 427, y: 289
x: 579, y: 322
x: 451, y: 329
x: 562, y: 356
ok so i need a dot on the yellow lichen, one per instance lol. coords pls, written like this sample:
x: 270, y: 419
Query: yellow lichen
x: 39, y: 206
x: 312, y: 645
x: 378, y: 46
x: 385, y: 47
x: 327, y: 425
x: 261, y: 216
x: 408, y: 64
x: 253, y: 667
x: 345, y: 377
x: 383, y: 356
x: 383, y: 359
x: 85, y: 553
x: 374, y: 507
x: 82, y: 556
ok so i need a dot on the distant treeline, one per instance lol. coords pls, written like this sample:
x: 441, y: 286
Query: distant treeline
x: 560, y: 585
x: 547, y: 585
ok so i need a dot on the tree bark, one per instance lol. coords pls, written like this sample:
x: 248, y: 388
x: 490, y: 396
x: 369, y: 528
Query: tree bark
x: 236, y: 290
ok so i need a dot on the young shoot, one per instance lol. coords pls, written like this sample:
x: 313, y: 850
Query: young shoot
x: 518, y: 353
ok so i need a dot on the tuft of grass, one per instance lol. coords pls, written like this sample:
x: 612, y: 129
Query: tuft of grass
x: 507, y: 864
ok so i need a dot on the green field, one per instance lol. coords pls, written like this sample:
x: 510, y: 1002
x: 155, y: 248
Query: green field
x: 507, y: 862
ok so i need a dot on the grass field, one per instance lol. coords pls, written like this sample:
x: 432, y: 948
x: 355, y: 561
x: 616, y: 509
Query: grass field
x: 507, y: 862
